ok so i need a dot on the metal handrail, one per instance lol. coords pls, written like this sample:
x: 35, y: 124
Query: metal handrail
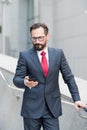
x: 84, y: 111
x: 9, y: 86
x: 80, y: 110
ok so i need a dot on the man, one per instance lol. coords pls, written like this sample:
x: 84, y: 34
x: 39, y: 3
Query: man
x: 38, y: 73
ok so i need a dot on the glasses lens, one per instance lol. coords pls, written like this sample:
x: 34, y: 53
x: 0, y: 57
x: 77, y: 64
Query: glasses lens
x: 40, y: 38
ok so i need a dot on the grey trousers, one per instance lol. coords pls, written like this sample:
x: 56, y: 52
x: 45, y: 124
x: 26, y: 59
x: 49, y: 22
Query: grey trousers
x: 46, y: 123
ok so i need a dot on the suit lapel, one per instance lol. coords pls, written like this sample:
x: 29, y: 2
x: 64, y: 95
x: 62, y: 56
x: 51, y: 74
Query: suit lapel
x: 50, y: 53
x: 35, y: 60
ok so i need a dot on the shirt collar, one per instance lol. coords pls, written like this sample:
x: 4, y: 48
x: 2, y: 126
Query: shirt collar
x: 45, y: 50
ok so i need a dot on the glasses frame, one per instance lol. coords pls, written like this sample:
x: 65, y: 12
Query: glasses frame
x: 40, y: 38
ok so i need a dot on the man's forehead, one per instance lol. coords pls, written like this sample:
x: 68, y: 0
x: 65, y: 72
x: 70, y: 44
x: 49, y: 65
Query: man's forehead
x: 37, y: 31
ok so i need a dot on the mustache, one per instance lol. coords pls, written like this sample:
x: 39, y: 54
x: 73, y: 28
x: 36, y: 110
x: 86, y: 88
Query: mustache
x: 38, y: 46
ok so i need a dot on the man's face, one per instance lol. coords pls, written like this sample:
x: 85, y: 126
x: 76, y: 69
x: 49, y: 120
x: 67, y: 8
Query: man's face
x: 39, y: 38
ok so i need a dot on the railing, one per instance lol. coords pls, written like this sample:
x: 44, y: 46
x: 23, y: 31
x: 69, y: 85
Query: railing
x: 82, y: 112
x: 18, y: 91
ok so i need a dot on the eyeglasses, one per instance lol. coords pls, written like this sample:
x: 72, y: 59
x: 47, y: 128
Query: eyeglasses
x: 40, y: 38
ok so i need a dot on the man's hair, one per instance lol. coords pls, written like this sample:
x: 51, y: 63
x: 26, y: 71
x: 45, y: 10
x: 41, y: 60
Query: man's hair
x: 38, y: 25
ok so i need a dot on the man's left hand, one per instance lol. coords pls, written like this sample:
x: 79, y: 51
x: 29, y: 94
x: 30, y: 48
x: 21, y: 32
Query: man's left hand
x: 80, y: 104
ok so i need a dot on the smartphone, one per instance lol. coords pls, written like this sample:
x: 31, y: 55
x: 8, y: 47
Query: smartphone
x: 32, y: 79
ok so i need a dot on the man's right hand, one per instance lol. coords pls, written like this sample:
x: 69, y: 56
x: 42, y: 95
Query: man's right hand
x: 28, y: 83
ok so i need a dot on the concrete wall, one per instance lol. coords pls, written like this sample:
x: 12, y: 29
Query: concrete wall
x: 14, y: 25
x: 71, y: 33
x: 67, y: 20
x: 10, y: 28
x: 10, y: 106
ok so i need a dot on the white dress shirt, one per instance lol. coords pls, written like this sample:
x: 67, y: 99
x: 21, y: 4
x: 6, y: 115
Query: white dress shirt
x: 40, y: 56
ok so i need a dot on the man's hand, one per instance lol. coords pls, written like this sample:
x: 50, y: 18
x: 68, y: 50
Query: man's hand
x: 80, y: 104
x: 28, y: 83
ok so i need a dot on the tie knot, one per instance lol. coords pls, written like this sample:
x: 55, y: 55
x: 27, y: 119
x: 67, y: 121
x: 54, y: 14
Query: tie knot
x: 43, y: 53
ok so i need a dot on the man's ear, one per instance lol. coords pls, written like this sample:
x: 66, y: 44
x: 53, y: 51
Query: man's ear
x: 48, y: 36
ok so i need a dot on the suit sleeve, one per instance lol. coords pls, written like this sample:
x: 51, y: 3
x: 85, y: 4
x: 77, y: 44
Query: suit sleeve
x: 69, y: 78
x: 21, y: 72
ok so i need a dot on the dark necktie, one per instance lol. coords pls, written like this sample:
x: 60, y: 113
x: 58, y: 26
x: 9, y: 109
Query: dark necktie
x: 44, y: 63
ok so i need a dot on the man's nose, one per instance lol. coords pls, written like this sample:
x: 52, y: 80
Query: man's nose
x: 37, y: 39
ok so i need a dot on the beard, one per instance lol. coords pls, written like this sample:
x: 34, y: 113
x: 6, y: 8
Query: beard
x: 39, y: 46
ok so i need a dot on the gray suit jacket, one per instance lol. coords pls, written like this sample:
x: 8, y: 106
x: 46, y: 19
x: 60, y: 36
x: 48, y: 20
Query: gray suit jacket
x: 48, y: 88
